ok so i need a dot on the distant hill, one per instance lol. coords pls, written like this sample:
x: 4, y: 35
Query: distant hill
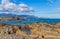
x: 6, y: 15
x: 31, y: 19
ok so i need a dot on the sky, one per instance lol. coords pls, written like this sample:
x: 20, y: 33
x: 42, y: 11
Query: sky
x: 39, y: 8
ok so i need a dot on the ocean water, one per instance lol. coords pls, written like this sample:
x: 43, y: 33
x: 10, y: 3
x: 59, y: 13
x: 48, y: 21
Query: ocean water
x: 29, y: 21
x: 49, y: 21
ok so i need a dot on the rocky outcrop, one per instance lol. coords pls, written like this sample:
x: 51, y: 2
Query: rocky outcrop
x: 56, y: 24
x: 36, y: 30
x: 44, y: 30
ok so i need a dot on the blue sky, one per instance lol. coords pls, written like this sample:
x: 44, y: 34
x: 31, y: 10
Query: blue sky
x: 40, y: 8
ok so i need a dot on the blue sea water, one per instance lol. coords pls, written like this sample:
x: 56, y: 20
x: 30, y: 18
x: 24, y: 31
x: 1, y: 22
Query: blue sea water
x: 49, y: 21
x: 29, y: 21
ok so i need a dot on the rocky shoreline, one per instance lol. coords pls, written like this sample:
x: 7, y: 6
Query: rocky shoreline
x: 36, y: 30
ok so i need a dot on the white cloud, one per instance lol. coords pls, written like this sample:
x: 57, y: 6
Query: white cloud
x: 58, y: 8
x: 22, y: 5
x: 1, y: 7
x: 7, y: 12
x: 50, y: 2
x: 11, y: 7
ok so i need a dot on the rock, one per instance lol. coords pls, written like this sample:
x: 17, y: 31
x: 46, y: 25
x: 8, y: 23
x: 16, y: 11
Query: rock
x: 56, y: 24
x: 15, y: 28
x: 36, y: 30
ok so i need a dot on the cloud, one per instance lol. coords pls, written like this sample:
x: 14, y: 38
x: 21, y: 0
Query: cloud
x: 25, y: 8
x: 7, y: 6
x: 58, y: 9
x: 50, y: 2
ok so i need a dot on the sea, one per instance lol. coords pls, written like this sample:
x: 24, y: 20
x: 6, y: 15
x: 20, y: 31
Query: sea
x: 30, y: 21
